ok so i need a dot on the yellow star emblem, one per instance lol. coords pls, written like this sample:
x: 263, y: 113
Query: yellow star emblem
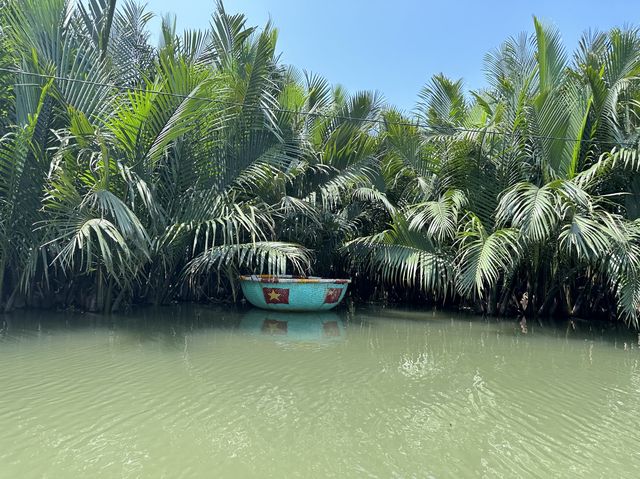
x: 273, y: 296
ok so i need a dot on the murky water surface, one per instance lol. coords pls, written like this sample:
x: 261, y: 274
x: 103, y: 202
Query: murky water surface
x: 205, y: 392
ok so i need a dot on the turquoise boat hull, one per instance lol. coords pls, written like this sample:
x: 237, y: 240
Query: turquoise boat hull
x: 288, y: 293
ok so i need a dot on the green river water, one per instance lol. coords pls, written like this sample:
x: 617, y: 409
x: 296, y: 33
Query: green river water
x: 205, y: 392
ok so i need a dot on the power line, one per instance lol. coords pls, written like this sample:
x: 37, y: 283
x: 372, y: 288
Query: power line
x: 440, y: 129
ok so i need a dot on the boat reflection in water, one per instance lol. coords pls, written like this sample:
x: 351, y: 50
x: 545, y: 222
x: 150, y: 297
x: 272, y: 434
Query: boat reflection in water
x: 294, y: 327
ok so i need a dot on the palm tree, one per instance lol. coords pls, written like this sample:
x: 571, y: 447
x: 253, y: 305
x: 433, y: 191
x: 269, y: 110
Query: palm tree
x: 138, y: 173
x: 517, y: 185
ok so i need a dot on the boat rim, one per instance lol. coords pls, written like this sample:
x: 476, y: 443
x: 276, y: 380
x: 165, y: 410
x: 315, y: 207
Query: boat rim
x: 269, y: 278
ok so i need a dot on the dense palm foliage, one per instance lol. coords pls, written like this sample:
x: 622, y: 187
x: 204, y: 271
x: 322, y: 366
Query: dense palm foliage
x: 524, y: 197
x: 135, y: 173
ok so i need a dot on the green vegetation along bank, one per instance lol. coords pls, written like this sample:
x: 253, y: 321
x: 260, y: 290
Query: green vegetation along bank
x: 140, y: 173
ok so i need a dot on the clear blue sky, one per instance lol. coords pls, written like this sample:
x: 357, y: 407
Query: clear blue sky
x: 396, y: 46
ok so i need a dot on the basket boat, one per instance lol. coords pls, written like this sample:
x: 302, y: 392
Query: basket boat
x: 293, y: 293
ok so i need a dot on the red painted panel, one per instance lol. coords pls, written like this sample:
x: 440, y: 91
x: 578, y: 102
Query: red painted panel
x: 276, y: 295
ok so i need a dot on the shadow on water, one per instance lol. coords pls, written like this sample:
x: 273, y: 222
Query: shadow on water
x: 615, y: 333
x: 169, y: 324
x: 293, y: 327
x: 142, y: 324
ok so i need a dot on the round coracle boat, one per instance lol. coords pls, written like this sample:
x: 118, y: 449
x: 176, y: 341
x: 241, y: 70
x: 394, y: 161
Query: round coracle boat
x: 293, y: 293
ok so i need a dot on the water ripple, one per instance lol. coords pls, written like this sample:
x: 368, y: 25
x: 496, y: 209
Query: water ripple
x: 424, y: 396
